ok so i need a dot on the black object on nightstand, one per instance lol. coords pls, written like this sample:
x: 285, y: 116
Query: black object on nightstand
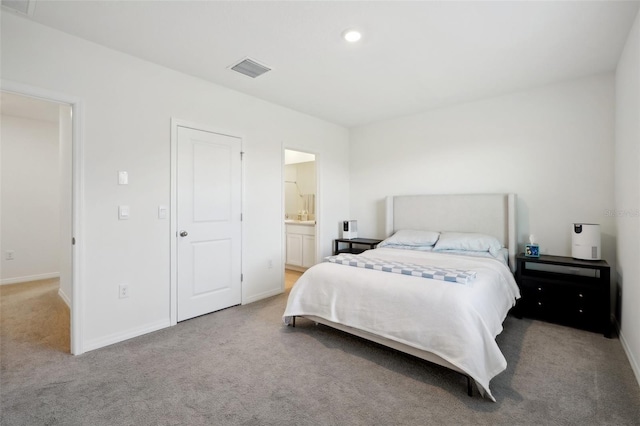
x: 553, y: 289
x: 369, y: 243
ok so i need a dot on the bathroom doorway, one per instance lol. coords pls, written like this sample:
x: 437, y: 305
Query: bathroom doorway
x: 300, y: 213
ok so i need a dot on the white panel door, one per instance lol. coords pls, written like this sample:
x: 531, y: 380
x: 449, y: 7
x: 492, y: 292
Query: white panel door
x: 209, y: 175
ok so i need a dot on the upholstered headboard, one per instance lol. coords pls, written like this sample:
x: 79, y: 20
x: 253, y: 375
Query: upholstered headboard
x: 492, y: 214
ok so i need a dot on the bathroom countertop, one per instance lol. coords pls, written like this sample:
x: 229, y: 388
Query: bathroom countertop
x: 300, y: 222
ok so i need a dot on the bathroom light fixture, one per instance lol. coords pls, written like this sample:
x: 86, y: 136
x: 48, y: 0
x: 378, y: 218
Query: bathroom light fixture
x: 352, y: 35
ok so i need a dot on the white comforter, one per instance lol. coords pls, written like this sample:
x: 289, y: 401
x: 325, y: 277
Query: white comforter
x: 458, y: 322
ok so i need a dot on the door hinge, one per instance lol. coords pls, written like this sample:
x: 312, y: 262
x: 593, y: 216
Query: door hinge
x: 241, y: 277
x: 73, y: 241
x: 242, y: 155
x: 241, y: 217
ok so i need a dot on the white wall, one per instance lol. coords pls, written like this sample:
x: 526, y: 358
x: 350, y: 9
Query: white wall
x: 30, y: 199
x: 128, y: 105
x: 627, y: 193
x: 304, y: 174
x: 66, y: 200
x: 291, y: 195
x: 552, y: 146
x: 307, y: 177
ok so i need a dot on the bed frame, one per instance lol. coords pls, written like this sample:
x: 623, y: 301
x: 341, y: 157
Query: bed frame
x: 492, y: 214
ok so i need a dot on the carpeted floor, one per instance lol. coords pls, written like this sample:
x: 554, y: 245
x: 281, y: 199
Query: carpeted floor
x: 241, y: 366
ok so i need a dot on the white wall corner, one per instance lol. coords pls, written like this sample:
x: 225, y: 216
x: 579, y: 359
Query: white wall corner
x: 64, y: 297
x: 260, y: 296
x: 101, y: 342
x: 635, y: 365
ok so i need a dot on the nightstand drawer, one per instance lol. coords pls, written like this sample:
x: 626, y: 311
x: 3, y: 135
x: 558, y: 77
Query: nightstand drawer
x: 582, y: 307
x: 572, y: 299
x: 539, y: 299
x: 534, y: 289
x: 580, y: 298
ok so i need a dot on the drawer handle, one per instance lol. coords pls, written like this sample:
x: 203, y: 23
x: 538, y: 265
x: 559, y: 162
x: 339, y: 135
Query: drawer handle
x: 580, y: 295
x: 580, y: 310
x: 539, y: 303
x: 539, y: 288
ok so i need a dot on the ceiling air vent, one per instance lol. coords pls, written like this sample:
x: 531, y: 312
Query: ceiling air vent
x: 25, y: 7
x: 250, y: 68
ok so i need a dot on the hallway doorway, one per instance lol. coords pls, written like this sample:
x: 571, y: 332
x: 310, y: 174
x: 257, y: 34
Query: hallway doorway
x: 37, y: 220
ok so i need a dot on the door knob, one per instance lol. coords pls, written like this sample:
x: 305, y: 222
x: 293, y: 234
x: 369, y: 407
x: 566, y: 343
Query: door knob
x: 183, y: 233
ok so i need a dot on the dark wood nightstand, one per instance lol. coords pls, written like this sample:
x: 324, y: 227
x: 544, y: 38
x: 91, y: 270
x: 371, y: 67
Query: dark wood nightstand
x: 565, y: 290
x: 369, y: 243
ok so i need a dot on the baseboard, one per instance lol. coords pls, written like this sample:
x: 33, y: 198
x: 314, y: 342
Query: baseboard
x: 261, y: 296
x: 93, y: 344
x: 634, y: 362
x: 27, y: 278
x: 295, y: 268
x: 64, y: 297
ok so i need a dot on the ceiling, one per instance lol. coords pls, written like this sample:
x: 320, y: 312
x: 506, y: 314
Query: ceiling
x: 295, y: 157
x: 25, y: 107
x: 413, y: 55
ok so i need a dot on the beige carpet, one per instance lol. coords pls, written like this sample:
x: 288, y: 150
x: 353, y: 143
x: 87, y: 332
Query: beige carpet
x: 33, y: 315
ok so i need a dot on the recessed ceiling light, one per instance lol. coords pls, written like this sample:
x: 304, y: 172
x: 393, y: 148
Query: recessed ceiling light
x: 352, y: 35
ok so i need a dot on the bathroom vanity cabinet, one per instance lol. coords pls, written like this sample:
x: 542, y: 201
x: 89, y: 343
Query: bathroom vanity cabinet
x: 301, y: 245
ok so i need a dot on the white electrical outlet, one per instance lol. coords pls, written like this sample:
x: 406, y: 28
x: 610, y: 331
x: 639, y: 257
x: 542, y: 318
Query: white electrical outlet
x: 123, y: 291
x: 8, y: 255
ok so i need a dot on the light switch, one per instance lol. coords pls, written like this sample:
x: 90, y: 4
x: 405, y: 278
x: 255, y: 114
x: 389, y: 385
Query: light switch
x: 123, y: 178
x: 162, y: 212
x: 123, y: 212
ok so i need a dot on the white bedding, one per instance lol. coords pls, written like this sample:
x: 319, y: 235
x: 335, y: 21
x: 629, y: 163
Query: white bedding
x: 458, y: 323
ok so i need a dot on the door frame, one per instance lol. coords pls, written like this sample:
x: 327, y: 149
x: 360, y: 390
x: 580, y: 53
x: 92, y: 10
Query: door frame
x: 77, y: 199
x: 318, y: 253
x: 173, y: 227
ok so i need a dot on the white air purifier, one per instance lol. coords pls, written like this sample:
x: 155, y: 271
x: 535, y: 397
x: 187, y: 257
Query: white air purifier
x: 350, y: 229
x: 585, y: 241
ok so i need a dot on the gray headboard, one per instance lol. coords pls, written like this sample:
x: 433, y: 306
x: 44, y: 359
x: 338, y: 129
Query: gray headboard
x: 492, y: 214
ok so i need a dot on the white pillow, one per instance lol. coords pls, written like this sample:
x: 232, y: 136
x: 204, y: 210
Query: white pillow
x: 412, y: 238
x: 503, y: 254
x: 469, y: 241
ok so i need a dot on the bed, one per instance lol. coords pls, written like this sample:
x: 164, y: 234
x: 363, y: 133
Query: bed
x: 464, y: 245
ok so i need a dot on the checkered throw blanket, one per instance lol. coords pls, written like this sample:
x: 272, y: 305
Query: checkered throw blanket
x: 426, y: 271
